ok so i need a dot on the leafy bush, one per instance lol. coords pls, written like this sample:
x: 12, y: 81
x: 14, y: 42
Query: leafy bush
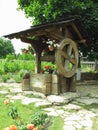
x: 10, y: 57
x: 26, y: 56
x: 5, y: 77
x: 17, y: 78
x: 7, y: 66
x: 39, y: 118
x: 11, y: 66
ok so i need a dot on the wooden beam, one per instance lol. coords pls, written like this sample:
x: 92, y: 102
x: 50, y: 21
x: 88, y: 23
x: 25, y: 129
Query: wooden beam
x: 81, y: 41
x: 37, y: 44
x: 26, y: 40
x: 57, y: 36
x: 77, y: 31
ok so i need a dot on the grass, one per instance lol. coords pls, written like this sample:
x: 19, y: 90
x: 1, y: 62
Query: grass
x: 25, y: 112
x: 57, y: 124
x: 91, y: 106
x: 4, y: 119
x: 95, y: 123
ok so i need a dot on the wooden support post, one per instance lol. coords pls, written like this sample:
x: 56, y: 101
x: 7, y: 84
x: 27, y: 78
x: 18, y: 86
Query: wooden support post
x: 71, y: 82
x: 78, y: 76
x: 67, y: 84
x: 63, y: 84
x: 38, y: 63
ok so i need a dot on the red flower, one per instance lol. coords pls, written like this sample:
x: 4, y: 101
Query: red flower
x: 47, y: 67
x: 13, y: 127
x: 6, y: 102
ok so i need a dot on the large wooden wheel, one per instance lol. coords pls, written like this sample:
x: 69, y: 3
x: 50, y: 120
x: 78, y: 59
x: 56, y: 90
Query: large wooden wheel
x: 67, y: 58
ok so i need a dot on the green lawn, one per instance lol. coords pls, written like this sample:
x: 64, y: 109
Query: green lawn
x: 25, y: 112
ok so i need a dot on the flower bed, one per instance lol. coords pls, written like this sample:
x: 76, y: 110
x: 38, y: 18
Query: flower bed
x: 37, y: 121
x: 89, y: 76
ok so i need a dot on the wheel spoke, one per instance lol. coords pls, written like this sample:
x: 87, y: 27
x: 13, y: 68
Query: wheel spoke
x: 69, y: 50
x: 66, y: 64
x: 64, y: 55
x: 73, y: 61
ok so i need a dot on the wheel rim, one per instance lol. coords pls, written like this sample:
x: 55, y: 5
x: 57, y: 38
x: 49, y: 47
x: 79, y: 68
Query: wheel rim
x: 67, y: 58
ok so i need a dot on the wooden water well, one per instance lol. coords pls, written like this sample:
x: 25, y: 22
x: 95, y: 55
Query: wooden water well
x: 70, y: 35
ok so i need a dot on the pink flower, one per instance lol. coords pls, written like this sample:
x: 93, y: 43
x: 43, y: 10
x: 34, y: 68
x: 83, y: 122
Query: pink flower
x: 30, y: 126
x: 6, y: 102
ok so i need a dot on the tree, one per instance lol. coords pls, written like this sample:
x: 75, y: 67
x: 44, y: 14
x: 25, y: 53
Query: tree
x: 43, y: 11
x: 6, y: 48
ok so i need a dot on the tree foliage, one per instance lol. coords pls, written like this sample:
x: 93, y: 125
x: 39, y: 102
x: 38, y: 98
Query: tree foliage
x: 6, y: 48
x: 42, y: 11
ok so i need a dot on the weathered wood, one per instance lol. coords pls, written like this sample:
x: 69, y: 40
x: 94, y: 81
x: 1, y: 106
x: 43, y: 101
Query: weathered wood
x: 55, y: 89
x: 67, y: 84
x: 41, y: 83
x: 66, y: 56
x: 63, y: 84
x: 68, y: 34
x: 77, y: 31
x: 48, y: 58
x: 81, y: 41
x: 26, y: 84
x: 41, y: 30
x: 72, y: 84
x: 38, y: 63
x: 57, y: 36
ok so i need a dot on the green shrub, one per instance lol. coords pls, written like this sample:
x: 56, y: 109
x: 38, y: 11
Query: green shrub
x: 6, y: 77
x: 39, y: 118
x: 17, y: 78
x: 26, y: 56
x: 10, y: 57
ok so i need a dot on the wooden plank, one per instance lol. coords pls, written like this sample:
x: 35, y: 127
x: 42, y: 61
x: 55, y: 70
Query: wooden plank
x: 57, y: 35
x: 48, y: 58
x: 77, y: 31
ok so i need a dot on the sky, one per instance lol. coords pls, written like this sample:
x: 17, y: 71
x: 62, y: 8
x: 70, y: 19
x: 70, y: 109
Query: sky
x: 12, y: 21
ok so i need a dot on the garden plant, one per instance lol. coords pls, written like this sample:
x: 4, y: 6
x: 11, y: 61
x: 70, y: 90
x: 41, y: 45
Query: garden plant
x: 17, y: 116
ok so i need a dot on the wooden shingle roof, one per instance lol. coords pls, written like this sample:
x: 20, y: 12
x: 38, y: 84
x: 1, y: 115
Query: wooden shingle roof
x: 54, y: 30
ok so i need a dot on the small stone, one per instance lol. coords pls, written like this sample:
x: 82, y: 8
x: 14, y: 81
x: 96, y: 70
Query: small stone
x: 70, y: 127
x: 60, y: 112
x: 87, y: 101
x: 72, y: 107
x: 43, y: 104
x: 3, y: 92
x: 57, y: 100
